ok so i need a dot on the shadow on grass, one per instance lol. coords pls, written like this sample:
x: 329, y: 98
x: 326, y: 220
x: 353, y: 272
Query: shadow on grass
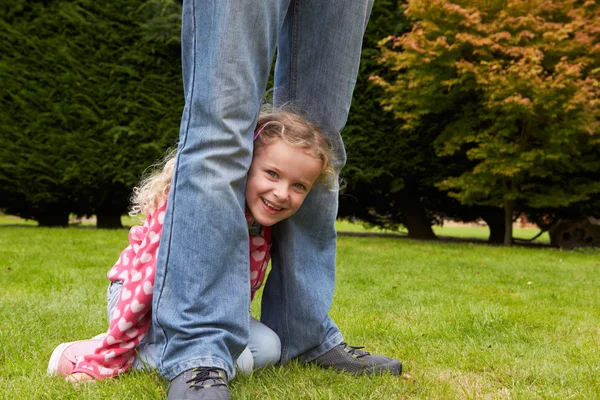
x: 445, y: 239
x: 71, y: 226
x: 393, y: 235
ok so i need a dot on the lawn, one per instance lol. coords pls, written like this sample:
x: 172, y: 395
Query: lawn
x: 469, y: 321
x: 479, y: 232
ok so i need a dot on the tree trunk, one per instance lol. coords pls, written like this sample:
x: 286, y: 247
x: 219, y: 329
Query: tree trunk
x: 494, y: 218
x: 53, y: 219
x: 415, y: 218
x: 108, y: 219
x: 508, y: 222
x: 109, y: 207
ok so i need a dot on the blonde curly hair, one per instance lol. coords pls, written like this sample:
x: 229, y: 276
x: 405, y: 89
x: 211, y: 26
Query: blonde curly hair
x: 286, y: 126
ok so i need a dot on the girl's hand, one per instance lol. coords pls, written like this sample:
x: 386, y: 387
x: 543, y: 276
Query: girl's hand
x: 80, y: 377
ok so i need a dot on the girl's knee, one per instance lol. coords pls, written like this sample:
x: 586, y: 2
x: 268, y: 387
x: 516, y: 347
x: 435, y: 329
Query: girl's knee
x: 268, y: 350
x: 245, y: 362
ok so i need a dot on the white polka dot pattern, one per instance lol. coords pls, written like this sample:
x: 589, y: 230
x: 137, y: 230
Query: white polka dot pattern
x: 131, y: 318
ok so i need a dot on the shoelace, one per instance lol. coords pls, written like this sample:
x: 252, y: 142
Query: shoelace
x: 355, y: 351
x: 203, y: 375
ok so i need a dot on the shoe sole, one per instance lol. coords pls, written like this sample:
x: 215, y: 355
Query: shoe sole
x: 55, y: 357
x: 392, y: 368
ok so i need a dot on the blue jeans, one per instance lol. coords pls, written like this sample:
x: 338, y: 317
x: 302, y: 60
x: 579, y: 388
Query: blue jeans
x: 263, y: 350
x: 201, y: 296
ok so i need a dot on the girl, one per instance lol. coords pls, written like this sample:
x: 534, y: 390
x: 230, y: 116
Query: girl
x: 290, y: 156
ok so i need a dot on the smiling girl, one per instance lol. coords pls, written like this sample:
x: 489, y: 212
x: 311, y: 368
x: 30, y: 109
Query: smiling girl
x: 291, y: 156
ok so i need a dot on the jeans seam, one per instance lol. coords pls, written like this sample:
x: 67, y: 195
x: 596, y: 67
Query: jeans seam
x: 326, y: 346
x: 285, y: 324
x: 294, y: 50
x: 292, y: 95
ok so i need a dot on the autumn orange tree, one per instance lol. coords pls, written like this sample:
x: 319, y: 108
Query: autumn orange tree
x: 518, y: 85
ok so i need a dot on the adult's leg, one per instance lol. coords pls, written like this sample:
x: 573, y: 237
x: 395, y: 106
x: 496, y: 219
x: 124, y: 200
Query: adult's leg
x: 264, y: 346
x: 201, y: 296
x: 317, y: 64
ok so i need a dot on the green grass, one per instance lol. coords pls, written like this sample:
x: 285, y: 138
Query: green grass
x: 475, y: 232
x: 11, y: 220
x: 469, y: 321
x: 483, y: 232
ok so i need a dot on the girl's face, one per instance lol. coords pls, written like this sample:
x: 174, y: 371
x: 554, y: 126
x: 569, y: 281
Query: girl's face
x: 279, y: 179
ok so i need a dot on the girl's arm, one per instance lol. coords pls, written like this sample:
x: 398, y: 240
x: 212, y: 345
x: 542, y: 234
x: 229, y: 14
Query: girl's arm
x: 132, y: 316
x: 260, y: 254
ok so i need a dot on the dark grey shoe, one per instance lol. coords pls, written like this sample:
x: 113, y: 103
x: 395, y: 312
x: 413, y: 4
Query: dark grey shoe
x: 352, y: 359
x: 200, y: 383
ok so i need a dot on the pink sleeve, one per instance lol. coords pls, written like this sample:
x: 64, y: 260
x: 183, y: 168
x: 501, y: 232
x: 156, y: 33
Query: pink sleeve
x: 260, y: 254
x: 132, y: 316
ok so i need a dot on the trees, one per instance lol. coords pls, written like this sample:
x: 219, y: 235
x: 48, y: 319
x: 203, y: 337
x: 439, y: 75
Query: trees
x: 519, y: 84
x: 92, y: 96
x: 384, y: 171
x: 391, y: 172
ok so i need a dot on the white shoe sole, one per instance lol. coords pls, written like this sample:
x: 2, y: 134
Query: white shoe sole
x: 55, y: 357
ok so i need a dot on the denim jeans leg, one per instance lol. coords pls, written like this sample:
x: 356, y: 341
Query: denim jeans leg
x: 317, y: 65
x: 201, y: 295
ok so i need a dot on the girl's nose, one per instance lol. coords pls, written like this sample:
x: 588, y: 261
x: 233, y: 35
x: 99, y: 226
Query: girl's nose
x: 280, y: 191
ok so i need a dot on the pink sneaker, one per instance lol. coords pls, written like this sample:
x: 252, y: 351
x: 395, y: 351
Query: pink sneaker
x: 66, y: 355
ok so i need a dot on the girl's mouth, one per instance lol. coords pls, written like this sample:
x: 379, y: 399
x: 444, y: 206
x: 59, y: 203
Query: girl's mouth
x: 270, y: 205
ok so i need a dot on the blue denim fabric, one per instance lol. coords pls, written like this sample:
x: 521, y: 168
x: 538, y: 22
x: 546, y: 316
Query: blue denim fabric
x: 264, y: 346
x: 316, y: 69
x: 201, y: 297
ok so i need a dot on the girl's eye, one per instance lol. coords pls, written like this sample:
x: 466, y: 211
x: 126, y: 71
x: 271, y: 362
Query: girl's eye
x: 299, y: 186
x: 272, y: 174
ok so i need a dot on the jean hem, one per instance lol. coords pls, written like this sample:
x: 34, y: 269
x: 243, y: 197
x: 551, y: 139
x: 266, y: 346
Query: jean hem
x: 323, y: 348
x: 210, y: 362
